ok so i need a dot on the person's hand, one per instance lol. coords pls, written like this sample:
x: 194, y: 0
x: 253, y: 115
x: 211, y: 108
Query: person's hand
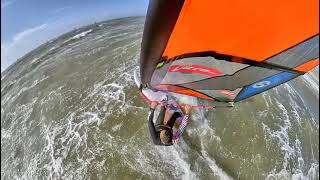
x: 154, y: 104
x: 186, y: 109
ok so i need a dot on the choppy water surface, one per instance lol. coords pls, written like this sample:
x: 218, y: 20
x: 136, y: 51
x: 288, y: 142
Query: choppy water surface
x: 70, y: 110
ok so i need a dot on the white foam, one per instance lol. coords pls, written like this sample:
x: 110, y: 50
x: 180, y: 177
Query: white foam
x: 174, y: 156
x: 202, y: 130
x: 312, y: 83
x: 10, y: 83
x: 214, y: 167
x: 12, y: 96
x: 80, y: 35
x: 313, y: 174
x: 290, y: 152
x: 281, y: 134
x: 5, y: 134
x: 92, y: 118
x: 117, y: 127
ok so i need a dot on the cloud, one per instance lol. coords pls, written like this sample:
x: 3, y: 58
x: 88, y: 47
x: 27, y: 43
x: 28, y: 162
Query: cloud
x: 60, y: 9
x: 27, y: 40
x: 6, y: 3
x: 21, y: 44
x: 28, y: 32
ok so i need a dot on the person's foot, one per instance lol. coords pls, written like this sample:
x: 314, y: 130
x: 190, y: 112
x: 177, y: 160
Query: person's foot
x: 164, y: 100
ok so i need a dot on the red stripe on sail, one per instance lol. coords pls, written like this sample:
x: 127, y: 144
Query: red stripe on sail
x: 197, y: 69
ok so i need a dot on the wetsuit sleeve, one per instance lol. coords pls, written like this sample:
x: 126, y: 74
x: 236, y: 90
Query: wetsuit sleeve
x: 181, y: 129
x: 155, y: 138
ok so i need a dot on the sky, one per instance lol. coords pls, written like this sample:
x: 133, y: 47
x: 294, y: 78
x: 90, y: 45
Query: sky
x: 26, y: 24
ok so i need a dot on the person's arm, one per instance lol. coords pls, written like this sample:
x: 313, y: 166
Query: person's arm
x: 155, y: 138
x: 179, y: 120
x: 181, y: 129
x: 186, y: 110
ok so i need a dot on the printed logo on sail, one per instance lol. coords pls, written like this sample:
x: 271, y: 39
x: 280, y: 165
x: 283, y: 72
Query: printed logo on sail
x: 261, y: 84
x: 226, y: 92
x: 197, y: 69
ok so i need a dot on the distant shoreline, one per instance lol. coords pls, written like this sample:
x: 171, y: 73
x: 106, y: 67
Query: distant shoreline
x: 63, y: 34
